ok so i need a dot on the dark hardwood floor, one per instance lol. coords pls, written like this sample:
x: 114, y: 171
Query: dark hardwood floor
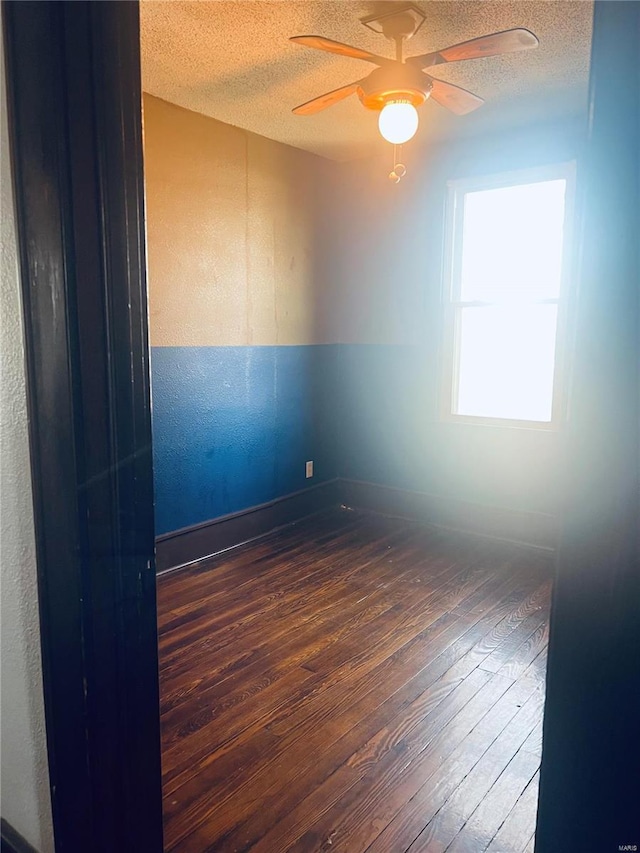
x: 354, y: 683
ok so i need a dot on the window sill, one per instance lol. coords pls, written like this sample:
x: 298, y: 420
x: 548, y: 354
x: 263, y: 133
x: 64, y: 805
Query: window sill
x: 500, y: 423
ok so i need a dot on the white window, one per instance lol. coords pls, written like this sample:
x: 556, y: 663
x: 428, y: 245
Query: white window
x: 506, y: 270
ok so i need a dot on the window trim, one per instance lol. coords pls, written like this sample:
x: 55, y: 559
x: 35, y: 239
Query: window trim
x: 452, y: 247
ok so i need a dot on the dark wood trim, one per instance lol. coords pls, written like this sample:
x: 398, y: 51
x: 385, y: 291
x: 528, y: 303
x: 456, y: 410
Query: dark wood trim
x: 530, y: 529
x: 12, y: 841
x: 74, y: 98
x: 191, y: 544
x: 590, y: 773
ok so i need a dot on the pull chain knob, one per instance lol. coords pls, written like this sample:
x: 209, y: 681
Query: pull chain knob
x: 399, y: 169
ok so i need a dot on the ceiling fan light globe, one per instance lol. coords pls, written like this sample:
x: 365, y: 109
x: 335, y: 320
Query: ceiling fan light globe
x: 398, y: 122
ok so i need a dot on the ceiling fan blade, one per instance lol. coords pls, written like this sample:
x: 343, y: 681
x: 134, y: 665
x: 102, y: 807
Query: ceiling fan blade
x: 458, y: 100
x: 321, y: 43
x: 508, y: 41
x: 326, y: 100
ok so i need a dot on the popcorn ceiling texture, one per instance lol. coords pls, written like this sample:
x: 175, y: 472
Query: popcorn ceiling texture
x: 232, y: 61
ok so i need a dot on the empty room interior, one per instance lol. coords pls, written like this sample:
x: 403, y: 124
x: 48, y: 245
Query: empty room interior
x: 360, y: 349
x: 319, y: 426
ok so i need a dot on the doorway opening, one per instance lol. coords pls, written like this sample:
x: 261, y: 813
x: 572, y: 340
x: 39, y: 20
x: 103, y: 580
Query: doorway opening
x: 351, y: 582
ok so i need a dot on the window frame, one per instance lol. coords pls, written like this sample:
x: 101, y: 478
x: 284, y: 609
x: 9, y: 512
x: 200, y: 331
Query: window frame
x: 452, y: 305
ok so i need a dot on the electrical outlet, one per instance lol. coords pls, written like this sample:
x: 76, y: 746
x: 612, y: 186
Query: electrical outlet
x: 309, y: 469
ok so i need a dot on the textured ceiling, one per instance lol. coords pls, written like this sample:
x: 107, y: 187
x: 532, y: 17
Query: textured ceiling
x: 232, y: 61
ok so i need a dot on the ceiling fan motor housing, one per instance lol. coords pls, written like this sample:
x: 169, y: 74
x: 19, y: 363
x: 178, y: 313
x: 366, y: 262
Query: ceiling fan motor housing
x: 394, y: 82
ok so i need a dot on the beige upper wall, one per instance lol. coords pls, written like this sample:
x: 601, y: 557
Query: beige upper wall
x: 232, y: 234
x: 251, y: 242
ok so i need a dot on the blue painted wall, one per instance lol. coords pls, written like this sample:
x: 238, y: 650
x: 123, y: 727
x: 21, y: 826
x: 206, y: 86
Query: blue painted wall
x: 391, y: 433
x: 233, y: 427
x: 384, y: 402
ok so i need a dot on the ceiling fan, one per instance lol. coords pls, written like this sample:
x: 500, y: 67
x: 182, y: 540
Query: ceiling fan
x: 397, y: 86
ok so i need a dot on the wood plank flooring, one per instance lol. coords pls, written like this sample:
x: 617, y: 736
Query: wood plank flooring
x: 354, y: 683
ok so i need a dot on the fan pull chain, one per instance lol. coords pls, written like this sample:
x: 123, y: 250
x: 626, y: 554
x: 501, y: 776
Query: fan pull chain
x: 399, y: 169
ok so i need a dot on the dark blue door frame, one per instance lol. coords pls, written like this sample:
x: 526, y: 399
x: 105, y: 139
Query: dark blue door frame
x: 590, y: 775
x: 74, y: 98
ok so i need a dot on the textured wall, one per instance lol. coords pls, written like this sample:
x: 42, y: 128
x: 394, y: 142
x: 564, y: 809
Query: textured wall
x: 229, y: 427
x: 237, y: 316
x: 25, y: 776
x: 232, y: 234
x: 386, y: 293
x: 233, y: 427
